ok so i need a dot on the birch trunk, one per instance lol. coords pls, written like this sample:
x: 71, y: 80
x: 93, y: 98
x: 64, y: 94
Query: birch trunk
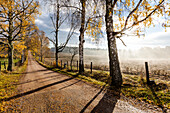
x: 81, y: 38
x: 56, y: 46
x: 115, y: 72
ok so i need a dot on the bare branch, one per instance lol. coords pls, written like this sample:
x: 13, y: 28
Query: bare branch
x: 71, y: 32
x: 122, y: 41
x: 53, y: 22
x: 67, y: 6
x: 63, y: 21
x: 132, y: 13
x: 52, y: 41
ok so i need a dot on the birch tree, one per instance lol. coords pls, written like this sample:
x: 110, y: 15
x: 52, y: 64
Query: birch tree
x: 58, y: 17
x: 85, y: 14
x: 124, y: 15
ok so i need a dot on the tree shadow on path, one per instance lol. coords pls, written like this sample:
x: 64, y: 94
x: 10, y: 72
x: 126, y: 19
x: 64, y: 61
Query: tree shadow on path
x: 28, y: 81
x: 82, y: 111
x: 69, y: 85
x: 107, y: 103
x: 34, y: 90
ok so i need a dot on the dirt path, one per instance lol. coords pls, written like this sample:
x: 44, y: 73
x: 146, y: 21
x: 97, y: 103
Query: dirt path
x: 45, y: 91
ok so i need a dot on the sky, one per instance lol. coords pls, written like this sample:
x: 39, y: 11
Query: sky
x: 154, y: 36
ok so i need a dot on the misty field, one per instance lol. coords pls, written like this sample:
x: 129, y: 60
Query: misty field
x: 158, y: 68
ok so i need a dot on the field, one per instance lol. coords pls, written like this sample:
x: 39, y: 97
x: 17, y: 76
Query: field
x: 158, y: 68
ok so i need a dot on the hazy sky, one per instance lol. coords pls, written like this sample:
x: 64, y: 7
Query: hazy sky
x: 154, y: 36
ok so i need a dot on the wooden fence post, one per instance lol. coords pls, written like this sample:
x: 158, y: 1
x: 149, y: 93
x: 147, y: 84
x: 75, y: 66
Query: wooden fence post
x: 91, y: 67
x: 147, y: 72
x: 61, y: 63
x: 4, y: 65
x: 0, y: 66
x: 71, y: 66
x: 77, y: 65
x: 67, y: 65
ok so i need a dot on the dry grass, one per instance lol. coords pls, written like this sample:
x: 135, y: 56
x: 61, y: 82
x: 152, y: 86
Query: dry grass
x: 8, y: 81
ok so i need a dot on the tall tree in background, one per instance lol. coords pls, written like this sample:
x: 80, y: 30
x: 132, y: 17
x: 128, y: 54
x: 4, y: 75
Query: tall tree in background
x: 38, y: 44
x: 44, y: 43
x: 15, y: 19
x: 58, y: 17
x: 73, y: 51
x: 123, y: 15
x: 85, y: 13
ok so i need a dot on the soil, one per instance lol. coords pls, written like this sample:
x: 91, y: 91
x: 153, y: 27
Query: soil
x: 45, y: 91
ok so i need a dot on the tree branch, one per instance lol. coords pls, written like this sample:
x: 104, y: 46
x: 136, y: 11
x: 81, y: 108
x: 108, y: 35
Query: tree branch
x: 136, y: 23
x: 132, y: 13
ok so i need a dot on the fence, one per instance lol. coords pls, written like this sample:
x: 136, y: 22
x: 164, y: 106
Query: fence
x: 66, y: 64
x: 128, y: 69
x: 4, y: 64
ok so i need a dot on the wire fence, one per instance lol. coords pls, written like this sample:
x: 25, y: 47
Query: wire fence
x: 126, y: 68
x: 16, y: 62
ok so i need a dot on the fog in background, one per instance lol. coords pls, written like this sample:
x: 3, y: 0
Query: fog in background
x: 100, y: 56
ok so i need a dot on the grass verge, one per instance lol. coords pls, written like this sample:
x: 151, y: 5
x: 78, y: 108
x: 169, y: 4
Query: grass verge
x: 8, y: 81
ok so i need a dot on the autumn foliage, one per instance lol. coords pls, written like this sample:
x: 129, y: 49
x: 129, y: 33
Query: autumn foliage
x: 16, y: 21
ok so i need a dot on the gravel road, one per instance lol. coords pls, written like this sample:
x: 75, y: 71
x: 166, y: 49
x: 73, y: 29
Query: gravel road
x: 45, y: 91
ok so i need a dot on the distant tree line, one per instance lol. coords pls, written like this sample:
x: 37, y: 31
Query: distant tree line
x: 146, y: 53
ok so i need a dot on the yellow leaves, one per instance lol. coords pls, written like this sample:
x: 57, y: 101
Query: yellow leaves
x: 19, y: 47
x: 120, y: 19
x: 160, y: 1
x: 84, y: 4
x: 94, y: 27
x: 128, y: 2
x: 100, y: 23
x: 168, y: 13
x: 94, y: 10
x: 135, y: 17
x: 14, y: 8
x: 133, y: 3
x: 122, y: 25
x: 110, y: 13
x: 137, y: 32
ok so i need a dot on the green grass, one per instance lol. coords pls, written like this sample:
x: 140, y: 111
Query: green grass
x: 2, y: 60
x: 8, y: 81
x: 133, y: 86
